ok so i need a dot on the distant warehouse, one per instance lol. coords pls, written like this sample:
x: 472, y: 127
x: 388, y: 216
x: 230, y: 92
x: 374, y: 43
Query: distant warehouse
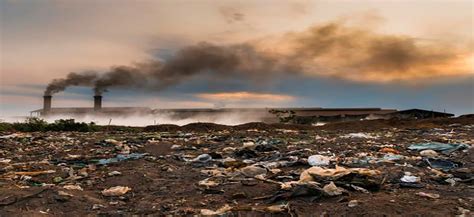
x: 309, y: 115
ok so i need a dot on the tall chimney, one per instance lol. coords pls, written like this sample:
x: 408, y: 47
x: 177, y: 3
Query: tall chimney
x: 97, y: 103
x: 47, y: 104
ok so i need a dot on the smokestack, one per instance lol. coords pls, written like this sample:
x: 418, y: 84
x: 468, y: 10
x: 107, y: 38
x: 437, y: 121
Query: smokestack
x: 97, y: 102
x: 47, y: 104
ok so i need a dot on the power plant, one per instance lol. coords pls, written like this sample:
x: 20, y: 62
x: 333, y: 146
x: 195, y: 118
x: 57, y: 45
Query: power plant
x: 270, y: 115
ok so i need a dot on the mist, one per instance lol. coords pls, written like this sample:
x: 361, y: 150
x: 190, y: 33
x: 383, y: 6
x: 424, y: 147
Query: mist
x: 141, y: 120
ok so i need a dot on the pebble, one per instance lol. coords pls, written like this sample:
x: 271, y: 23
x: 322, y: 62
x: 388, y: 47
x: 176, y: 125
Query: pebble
x: 428, y: 153
x: 353, y: 203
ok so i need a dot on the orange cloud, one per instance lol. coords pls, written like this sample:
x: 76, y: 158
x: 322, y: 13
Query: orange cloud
x: 244, y: 96
x: 362, y: 55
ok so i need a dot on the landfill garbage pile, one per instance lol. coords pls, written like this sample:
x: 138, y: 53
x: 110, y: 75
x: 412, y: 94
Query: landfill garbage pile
x: 253, y: 169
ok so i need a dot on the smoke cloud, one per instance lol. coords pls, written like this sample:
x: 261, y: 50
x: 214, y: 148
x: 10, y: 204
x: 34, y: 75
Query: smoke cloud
x: 362, y: 55
x: 72, y: 79
x: 329, y: 50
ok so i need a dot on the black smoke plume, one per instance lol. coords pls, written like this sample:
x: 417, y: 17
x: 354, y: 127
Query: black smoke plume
x: 331, y: 50
x: 72, y: 79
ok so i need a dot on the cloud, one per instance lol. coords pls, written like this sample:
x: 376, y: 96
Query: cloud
x: 244, y: 96
x: 231, y: 14
x: 355, y: 53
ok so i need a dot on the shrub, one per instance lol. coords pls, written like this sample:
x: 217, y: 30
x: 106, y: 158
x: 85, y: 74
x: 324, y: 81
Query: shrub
x: 31, y: 124
x: 36, y: 124
x: 70, y: 125
x: 5, y: 127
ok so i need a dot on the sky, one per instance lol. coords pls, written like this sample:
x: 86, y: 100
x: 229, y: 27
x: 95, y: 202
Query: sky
x: 257, y: 53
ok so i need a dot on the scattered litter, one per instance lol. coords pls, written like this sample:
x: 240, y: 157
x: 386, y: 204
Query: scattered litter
x: 353, y: 203
x: 248, y: 144
x: 63, y: 193
x: 441, y: 164
x: 116, y: 191
x: 310, y: 191
x: 446, y: 148
x: 73, y: 187
x: 276, y: 208
x: 429, y: 153
x: 318, y: 160
x: 332, y: 190
x: 220, y: 211
x: 266, y: 170
x: 359, y: 135
x: 121, y: 157
x: 57, y: 179
x: 428, y: 195
x: 207, y: 183
x: 389, y: 150
x: 409, y: 178
x: 114, y: 173
x: 203, y: 158
x: 35, y: 173
x: 252, y: 171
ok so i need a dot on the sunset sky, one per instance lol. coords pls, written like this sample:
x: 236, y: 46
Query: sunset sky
x: 392, y: 54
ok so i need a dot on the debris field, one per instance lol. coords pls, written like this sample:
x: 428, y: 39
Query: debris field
x: 371, y: 168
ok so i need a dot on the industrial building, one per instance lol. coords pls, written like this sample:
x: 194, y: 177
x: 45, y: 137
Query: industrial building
x: 269, y: 115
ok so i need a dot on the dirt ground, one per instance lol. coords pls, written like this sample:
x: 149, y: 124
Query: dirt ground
x: 253, y: 169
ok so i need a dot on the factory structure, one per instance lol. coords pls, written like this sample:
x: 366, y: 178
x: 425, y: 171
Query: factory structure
x: 306, y: 115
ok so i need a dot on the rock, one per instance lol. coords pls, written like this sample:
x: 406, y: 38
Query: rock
x: 248, y: 144
x: 428, y: 153
x: 353, y: 203
x: 57, y: 179
x: 318, y: 160
x: 116, y: 191
x: 252, y: 171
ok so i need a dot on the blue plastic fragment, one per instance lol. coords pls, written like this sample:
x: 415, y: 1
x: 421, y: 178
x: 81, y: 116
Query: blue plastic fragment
x: 121, y: 157
x: 446, y: 148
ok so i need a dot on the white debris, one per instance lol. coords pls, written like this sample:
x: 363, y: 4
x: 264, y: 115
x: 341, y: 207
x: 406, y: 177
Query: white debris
x: 202, y: 158
x: 353, y: 203
x: 409, y: 178
x: 207, y: 183
x: 115, y: 173
x: 359, y: 135
x: 318, y: 160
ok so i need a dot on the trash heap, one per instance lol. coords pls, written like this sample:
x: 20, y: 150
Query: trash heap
x: 254, y: 169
